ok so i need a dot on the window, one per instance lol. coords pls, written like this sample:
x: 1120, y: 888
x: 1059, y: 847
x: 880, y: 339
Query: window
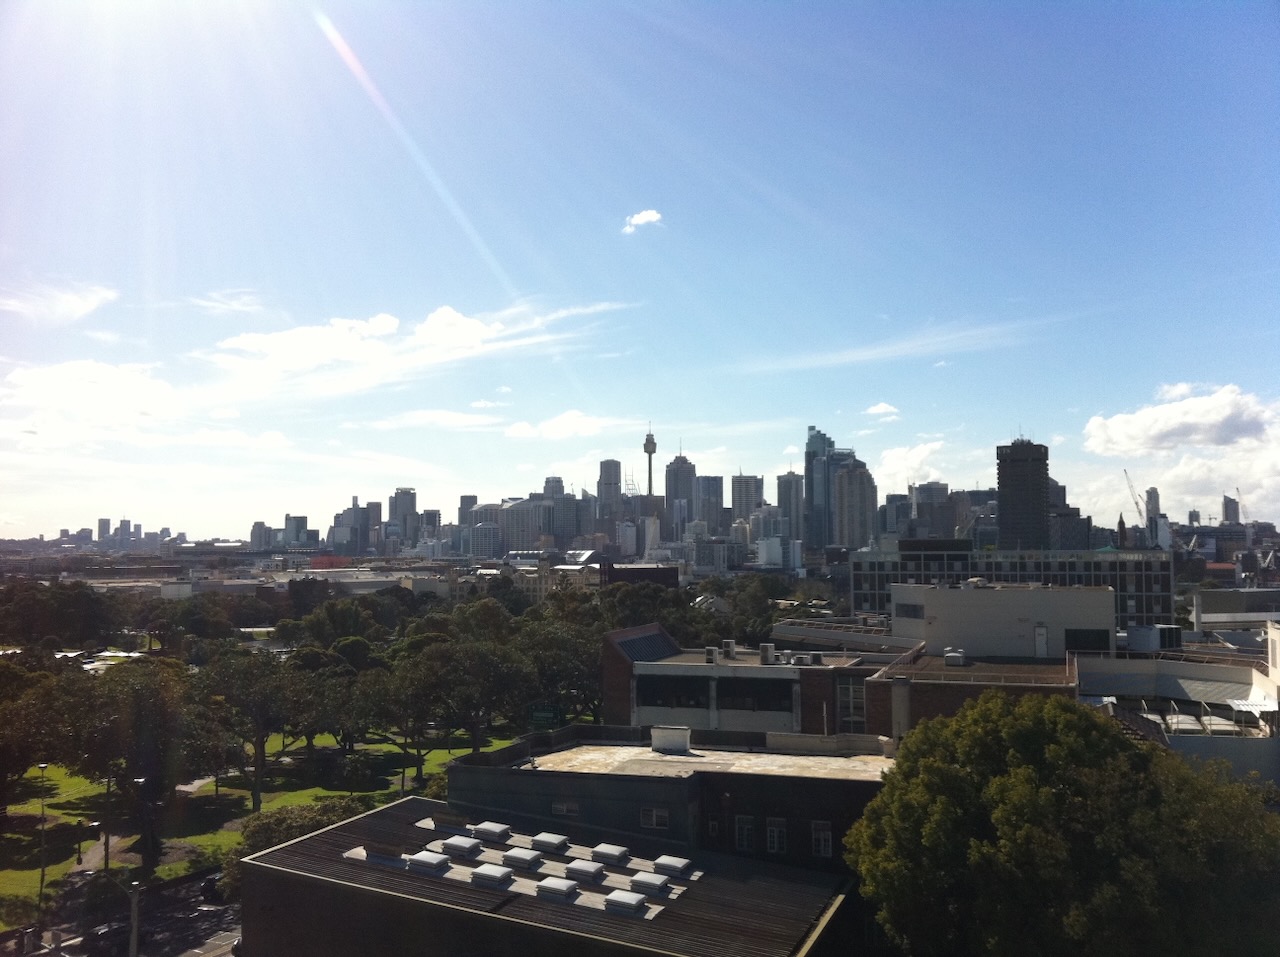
x: 821, y: 838
x: 907, y: 610
x: 565, y: 808
x: 655, y: 817
x: 775, y: 834
x: 713, y: 829
x: 744, y: 832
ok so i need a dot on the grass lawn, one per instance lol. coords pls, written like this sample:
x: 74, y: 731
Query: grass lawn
x: 196, y: 828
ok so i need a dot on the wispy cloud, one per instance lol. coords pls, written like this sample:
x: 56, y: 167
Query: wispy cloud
x: 923, y: 343
x: 488, y: 404
x: 645, y: 217
x: 572, y: 424
x: 434, y: 418
x: 54, y: 305
x: 352, y: 356
x: 105, y: 336
x: 228, y: 301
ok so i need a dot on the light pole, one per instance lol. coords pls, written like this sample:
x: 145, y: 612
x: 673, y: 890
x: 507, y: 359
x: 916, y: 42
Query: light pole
x: 40, y: 908
x: 106, y: 828
x: 134, y: 887
x: 80, y: 839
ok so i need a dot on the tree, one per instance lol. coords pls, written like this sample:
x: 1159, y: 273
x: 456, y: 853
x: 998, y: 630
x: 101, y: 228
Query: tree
x: 270, y: 828
x: 127, y: 725
x: 251, y: 686
x: 478, y: 680
x: 1038, y: 827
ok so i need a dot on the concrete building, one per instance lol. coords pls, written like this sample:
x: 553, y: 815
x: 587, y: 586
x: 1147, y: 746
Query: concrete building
x: 1005, y: 621
x: 1022, y: 475
x: 1141, y: 581
x: 416, y: 877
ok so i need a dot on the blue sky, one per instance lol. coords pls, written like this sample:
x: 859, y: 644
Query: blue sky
x: 256, y: 258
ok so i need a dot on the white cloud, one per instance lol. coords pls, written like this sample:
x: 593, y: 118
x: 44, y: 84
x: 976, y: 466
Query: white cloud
x: 488, y: 404
x: 906, y: 465
x: 104, y: 336
x: 941, y: 364
x: 888, y: 418
x: 643, y: 218
x: 435, y: 418
x: 228, y: 301
x: 567, y: 425
x: 1224, y: 418
x: 880, y: 408
x: 791, y: 450
x: 54, y: 305
x: 503, y: 390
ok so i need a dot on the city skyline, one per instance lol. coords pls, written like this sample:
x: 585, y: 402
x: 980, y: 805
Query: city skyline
x: 256, y: 260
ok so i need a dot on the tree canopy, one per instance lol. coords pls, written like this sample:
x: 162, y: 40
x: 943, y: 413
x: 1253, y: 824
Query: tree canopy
x: 1037, y: 827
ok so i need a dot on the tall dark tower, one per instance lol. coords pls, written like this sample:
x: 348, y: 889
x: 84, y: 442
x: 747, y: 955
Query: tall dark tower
x: 650, y: 446
x: 1022, y: 477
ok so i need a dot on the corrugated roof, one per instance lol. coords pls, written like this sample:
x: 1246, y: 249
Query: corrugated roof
x: 736, y: 908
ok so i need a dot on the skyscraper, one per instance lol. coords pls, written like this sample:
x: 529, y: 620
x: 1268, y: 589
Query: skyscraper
x: 856, y: 506
x: 791, y: 503
x: 681, y: 475
x: 822, y: 460
x: 402, y: 512
x: 708, y: 502
x: 609, y: 492
x: 747, y: 493
x: 1022, y: 479
x: 465, y: 504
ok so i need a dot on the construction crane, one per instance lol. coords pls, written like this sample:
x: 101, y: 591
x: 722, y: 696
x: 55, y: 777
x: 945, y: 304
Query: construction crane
x: 1137, y: 505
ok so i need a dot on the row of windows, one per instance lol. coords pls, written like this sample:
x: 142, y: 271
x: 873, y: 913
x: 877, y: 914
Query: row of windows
x: 744, y: 829
x: 775, y: 835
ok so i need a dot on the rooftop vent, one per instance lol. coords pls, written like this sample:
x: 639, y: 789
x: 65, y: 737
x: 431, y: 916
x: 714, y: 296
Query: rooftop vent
x: 669, y: 739
x: 557, y: 887
x: 954, y: 659
x: 766, y: 654
x: 672, y: 866
x: 646, y: 882
x: 713, y: 654
x: 494, y: 875
x: 551, y: 843
x: 459, y: 846
x: 491, y: 831
x: 729, y: 647
x: 625, y: 902
x: 589, y: 872
x: 522, y: 857
x: 428, y: 861
x: 610, y: 853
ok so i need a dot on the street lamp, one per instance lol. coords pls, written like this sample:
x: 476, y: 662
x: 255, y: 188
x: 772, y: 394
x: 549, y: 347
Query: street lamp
x: 43, y: 767
x: 80, y: 838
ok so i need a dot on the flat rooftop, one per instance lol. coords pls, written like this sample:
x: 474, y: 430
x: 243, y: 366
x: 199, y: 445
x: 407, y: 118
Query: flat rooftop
x: 641, y: 760
x: 719, y: 906
x: 984, y: 671
x: 751, y: 656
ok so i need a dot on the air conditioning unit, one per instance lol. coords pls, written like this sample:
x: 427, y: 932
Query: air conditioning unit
x: 766, y: 654
x: 815, y: 657
x: 713, y: 654
x: 799, y: 659
x: 728, y: 647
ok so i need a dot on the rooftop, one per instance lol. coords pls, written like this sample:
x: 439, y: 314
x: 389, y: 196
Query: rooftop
x: 641, y: 760
x: 985, y: 671
x: 716, y: 906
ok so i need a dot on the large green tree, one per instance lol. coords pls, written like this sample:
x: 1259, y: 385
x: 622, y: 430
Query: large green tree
x: 1037, y: 827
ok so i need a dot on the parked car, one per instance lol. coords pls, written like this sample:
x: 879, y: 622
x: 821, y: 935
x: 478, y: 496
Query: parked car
x: 209, y: 889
